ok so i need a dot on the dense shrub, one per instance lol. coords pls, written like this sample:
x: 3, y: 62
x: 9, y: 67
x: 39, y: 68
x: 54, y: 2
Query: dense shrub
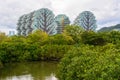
x: 113, y: 37
x: 34, y: 47
x: 59, y: 39
x: 54, y: 52
x: 90, y: 63
x: 75, y: 32
x: 38, y: 37
x: 93, y: 38
x: 31, y: 52
x: 2, y: 37
x: 10, y: 52
x: 88, y: 56
x: 17, y: 52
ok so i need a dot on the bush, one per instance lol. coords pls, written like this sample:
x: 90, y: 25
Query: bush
x: 54, y: 52
x: 21, y: 51
x: 59, y: 39
x: 31, y: 53
x: 90, y: 63
x: 10, y: 52
x: 93, y: 38
x: 113, y: 37
x: 38, y: 37
x: 75, y: 32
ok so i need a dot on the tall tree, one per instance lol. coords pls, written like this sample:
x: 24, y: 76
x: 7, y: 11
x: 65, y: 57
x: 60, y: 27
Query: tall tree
x: 86, y: 20
x: 62, y: 20
x: 43, y: 19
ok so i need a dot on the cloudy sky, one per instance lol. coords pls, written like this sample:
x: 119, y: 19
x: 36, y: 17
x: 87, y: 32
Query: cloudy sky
x: 107, y: 12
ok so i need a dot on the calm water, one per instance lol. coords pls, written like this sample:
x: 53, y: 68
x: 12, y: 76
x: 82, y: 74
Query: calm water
x: 29, y: 71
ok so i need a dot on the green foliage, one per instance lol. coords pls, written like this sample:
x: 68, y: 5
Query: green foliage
x: 74, y: 31
x: 37, y: 37
x: 54, y: 52
x: 86, y: 55
x: 31, y: 52
x: 2, y: 37
x: 11, y: 48
x: 113, y: 37
x: 36, y: 46
x: 93, y: 38
x: 91, y: 63
x: 60, y: 39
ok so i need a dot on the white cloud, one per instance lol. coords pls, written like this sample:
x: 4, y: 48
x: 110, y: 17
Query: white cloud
x: 11, y: 10
x: 106, y: 11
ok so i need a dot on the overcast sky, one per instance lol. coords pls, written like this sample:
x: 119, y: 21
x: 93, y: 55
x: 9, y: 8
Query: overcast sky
x: 107, y: 12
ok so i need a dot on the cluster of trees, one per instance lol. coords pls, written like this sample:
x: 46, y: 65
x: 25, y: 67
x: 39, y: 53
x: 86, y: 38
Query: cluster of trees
x: 37, y: 45
x: 85, y: 54
x: 96, y: 58
x: 34, y: 47
x: 88, y: 62
x: 45, y: 20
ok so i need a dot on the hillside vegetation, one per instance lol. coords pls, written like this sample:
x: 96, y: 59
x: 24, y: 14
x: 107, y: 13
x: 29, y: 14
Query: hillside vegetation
x: 110, y: 28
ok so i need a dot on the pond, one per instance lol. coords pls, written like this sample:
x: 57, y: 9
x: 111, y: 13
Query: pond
x: 29, y: 71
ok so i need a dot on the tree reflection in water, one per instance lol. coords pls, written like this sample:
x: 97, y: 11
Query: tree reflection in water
x: 29, y: 71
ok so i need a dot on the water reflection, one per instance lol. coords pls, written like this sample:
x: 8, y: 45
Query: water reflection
x: 22, y: 77
x: 52, y: 77
x: 29, y: 71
